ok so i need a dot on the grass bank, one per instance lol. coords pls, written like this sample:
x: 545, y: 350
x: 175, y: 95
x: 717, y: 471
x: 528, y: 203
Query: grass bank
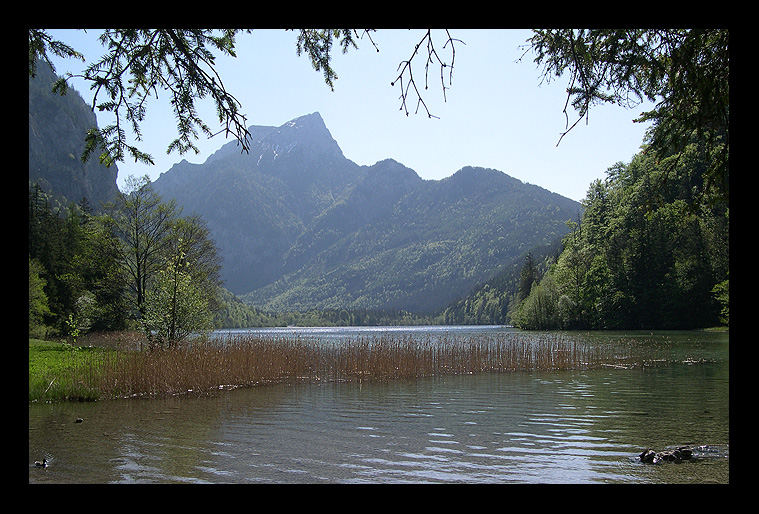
x: 115, y: 368
x: 58, y: 371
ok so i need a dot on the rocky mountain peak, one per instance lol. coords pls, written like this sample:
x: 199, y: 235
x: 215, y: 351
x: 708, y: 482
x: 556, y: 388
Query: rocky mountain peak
x: 299, y: 226
x: 308, y: 131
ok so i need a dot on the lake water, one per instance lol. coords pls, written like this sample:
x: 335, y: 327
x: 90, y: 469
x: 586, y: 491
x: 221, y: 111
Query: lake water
x: 521, y: 427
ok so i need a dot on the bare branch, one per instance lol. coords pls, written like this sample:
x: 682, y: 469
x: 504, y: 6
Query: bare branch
x: 432, y: 57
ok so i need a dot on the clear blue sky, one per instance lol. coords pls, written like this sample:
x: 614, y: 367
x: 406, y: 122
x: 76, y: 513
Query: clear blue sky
x: 498, y: 113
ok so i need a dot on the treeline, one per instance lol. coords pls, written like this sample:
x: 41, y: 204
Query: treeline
x: 234, y: 313
x: 373, y: 317
x: 137, y: 263
x: 651, y: 250
x: 64, y: 267
x: 491, y: 302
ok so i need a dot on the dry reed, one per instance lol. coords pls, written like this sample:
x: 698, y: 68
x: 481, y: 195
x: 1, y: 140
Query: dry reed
x: 246, y: 360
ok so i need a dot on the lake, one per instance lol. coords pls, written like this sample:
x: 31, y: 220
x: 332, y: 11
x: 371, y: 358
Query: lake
x: 573, y: 427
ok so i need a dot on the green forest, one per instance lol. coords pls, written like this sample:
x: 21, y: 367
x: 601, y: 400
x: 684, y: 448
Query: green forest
x: 138, y: 264
x: 650, y: 251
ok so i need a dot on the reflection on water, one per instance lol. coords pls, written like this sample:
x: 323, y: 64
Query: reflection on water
x: 564, y: 427
x: 340, y: 334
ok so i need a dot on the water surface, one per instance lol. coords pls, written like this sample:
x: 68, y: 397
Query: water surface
x: 520, y: 427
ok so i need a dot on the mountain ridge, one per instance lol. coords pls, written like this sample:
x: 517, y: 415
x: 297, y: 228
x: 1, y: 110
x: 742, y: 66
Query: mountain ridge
x: 299, y: 226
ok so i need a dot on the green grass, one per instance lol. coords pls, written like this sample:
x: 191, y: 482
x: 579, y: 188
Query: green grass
x: 722, y: 328
x: 53, y: 369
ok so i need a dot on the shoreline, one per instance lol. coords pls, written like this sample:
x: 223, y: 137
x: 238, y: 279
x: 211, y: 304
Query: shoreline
x: 62, y: 372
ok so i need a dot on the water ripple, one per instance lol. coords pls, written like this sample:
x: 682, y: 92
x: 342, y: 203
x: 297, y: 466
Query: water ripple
x: 579, y: 427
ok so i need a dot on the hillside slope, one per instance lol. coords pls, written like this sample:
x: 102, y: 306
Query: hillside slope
x: 299, y: 226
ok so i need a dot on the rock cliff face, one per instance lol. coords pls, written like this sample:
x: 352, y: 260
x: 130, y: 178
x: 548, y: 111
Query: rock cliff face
x: 299, y: 226
x: 57, y: 127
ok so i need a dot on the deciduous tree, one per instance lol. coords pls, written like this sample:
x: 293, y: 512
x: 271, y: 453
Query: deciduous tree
x: 183, y: 296
x: 176, y: 306
x: 139, y: 224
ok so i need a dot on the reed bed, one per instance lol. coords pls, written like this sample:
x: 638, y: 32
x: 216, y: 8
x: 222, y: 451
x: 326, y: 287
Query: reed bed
x: 245, y: 360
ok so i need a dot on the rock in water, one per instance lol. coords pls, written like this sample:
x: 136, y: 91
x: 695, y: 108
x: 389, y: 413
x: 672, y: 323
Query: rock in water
x: 647, y: 456
x: 679, y: 454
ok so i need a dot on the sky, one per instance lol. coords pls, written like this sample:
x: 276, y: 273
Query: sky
x: 497, y: 112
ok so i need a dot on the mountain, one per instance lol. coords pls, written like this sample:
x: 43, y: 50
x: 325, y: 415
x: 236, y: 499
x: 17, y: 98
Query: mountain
x: 257, y: 204
x: 57, y: 127
x: 299, y: 226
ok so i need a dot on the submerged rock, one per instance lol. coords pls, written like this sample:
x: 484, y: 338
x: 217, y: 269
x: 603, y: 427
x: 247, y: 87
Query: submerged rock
x: 647, y: 456
x: 679, y: 454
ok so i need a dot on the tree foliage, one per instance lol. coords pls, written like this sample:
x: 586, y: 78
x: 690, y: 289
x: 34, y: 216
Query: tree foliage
x: 184, y: 292
x: 111, y: 270
x: 651, y: 250
x: 41, y: 44
x: 630, y: 265
x: 684, y: 71
x: 317, y: 44
x: 495, y: 301
x: 139, y: 225
x: 68, y: 258
x: 38, y: 307
x: 527, y: 276
x: 137, y: 64
x: 175, y: 307
x: 170, y: 262
x: 721, y: 293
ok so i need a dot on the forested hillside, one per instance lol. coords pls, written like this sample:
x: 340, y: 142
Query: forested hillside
x: 490, y: 303
x: 300, y: 227
x: 650, y: 251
